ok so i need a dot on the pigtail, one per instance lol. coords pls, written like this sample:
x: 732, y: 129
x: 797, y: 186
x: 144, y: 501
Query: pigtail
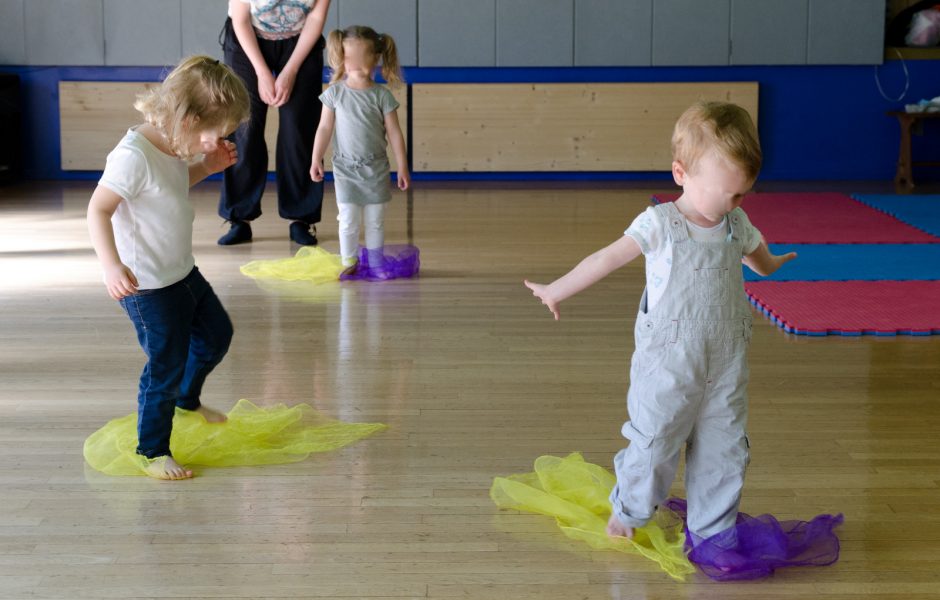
x: 335, y: 56
x: 383, y: 48
x: 391, y: 70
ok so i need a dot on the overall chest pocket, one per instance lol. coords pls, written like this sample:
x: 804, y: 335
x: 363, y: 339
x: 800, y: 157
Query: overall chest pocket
x: 711, y: 286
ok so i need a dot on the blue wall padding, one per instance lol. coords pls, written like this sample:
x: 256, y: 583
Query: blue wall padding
x: 816, y: 122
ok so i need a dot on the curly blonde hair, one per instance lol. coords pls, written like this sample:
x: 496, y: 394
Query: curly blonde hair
x: 200, y: 94
x: 720, y: 126
x: 382, y: 45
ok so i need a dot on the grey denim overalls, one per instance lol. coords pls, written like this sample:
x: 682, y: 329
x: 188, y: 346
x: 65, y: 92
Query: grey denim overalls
x: 688, y: 382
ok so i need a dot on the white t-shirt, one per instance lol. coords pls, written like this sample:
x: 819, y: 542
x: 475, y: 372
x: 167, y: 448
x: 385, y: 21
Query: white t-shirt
x: 650, y: 232
x: 279, y: 19
x: 153, y: 226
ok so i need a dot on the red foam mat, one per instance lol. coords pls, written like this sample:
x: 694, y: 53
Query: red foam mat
x: 823, y: 218
x: 850, y: 307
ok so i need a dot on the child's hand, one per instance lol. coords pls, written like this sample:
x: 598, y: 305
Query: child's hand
x: 540, y: 291
x: 763, y: 262
x: 224, y: 156
x: 404, y: 180
x: 120, y: 281
x: 778, y: 260
x: 316, y: 170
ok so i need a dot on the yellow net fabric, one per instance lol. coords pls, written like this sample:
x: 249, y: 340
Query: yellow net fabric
x: 576, y: 493
x: 252, y: 436
x: 309, y: 264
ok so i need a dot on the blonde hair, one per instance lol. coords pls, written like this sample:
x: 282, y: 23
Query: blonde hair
x: 200, y: 94
x: 721, y: 126
x: 382, y: 46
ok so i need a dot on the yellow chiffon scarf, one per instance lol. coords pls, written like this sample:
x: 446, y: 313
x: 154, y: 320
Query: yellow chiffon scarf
x: 576, y: 493
x: 311, y: 263
x: 252, y: 436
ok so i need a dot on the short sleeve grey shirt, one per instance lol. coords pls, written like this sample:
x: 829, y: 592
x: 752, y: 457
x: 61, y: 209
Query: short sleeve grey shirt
x: 359, y: 119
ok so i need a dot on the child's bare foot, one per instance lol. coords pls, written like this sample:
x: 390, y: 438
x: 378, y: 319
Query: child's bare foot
x: 729, y: 561
x: 164, y: 467
x: 211, y: 415
x: 617, y: 529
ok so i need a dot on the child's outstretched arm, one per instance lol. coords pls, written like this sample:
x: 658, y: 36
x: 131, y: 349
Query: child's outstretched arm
x: 588, y: 272
x: 321, y: 142
x: 397, y: 140
x: 762, y: 262
x: 119, y: 280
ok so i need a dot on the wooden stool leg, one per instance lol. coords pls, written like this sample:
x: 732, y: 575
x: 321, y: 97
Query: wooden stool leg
x: 903, y: 180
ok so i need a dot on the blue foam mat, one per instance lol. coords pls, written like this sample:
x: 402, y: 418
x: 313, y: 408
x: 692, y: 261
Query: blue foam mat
x: 860, y: 262
x: 922, y: 212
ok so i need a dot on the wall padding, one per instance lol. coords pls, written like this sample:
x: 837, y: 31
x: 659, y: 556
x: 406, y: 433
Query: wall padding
x: 94, y: 115
x: 556, y: 127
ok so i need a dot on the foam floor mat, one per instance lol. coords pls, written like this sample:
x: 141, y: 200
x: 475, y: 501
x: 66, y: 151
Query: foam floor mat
x: 922, y: 212
x: 844, y: 262
x: 824, y: 218
x: 850, y: 308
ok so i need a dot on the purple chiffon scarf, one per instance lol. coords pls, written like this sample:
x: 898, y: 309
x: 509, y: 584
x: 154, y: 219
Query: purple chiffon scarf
x: 390, y: 262
x: 756, y: 546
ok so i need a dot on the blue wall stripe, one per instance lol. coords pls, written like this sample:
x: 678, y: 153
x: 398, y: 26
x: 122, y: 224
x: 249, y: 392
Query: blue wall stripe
x: 816, y: 122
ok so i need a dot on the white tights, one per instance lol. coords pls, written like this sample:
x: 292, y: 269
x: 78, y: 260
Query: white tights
x: 350, y: 219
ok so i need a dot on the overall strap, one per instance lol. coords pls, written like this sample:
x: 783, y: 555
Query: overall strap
x: 675, y: 222
x: 735, y: 223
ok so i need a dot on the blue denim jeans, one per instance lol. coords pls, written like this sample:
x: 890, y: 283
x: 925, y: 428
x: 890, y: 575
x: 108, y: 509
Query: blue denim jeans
x: 185, y: 332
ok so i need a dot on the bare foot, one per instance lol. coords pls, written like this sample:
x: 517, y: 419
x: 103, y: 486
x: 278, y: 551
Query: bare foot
x: 164, y: 467
x: 729, y: 561
x: 617, y: 529
x: 211, y: 415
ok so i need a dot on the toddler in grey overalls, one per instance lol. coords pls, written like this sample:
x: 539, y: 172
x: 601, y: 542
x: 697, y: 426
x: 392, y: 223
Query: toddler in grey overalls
x: 688, y: 383
x: 689, y: 373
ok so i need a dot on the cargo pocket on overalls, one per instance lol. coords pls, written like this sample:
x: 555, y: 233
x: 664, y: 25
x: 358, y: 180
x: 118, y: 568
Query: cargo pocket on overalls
x: 711, y: 286
x: 639, y: 447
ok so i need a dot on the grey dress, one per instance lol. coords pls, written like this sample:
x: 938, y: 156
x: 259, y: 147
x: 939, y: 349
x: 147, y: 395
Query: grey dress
x: 360, y: 161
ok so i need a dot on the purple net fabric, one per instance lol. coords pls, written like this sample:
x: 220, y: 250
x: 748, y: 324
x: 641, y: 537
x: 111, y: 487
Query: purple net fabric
x: 756, y: 546
x: 390, y: 262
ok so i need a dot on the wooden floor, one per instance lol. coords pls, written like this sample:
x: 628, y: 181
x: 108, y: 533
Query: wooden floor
x: 474, y: 379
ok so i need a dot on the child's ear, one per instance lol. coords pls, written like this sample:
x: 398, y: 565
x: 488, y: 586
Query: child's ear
x: 678, y: 173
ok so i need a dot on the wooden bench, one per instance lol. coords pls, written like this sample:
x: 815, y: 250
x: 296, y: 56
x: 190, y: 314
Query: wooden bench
x: 904, y: 180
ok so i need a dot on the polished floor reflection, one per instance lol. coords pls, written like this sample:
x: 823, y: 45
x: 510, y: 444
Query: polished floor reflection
x: 474, y: 379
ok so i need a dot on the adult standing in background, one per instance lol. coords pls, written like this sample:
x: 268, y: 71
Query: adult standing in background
x: 276, y: 47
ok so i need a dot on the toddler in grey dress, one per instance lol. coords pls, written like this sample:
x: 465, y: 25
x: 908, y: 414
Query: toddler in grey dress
x: 358, y: 115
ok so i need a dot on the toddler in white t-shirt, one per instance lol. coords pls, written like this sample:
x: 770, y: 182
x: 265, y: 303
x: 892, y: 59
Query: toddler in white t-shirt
x: 141, y: 225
